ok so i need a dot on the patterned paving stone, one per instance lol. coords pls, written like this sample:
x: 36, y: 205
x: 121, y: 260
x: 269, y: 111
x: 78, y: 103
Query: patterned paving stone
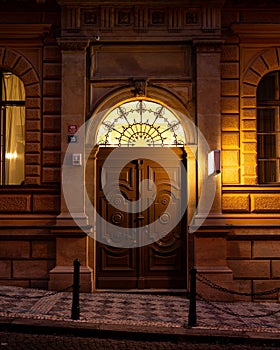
x: 139, y: 309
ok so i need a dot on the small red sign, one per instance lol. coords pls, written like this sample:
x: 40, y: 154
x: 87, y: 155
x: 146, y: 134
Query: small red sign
x: 72, y: 129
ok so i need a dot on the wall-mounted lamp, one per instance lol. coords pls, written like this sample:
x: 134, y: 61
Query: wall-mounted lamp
x: 214, y: 162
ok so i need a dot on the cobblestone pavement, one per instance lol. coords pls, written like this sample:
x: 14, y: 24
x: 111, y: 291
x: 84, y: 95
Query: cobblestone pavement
x: 167, y: 311
x: 20, y: 341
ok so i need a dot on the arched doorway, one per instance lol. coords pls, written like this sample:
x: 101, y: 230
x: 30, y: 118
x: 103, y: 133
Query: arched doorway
x: 151, y: 127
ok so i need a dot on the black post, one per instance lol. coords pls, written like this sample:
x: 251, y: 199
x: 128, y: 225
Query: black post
x: 75, y: 315
x: 192, y: 308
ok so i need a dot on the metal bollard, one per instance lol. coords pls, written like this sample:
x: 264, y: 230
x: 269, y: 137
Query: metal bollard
x: 75, y: 315
x: 192, y: 308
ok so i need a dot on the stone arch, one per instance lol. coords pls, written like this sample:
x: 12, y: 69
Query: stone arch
x: 16, y: 63
x: 267, y: 61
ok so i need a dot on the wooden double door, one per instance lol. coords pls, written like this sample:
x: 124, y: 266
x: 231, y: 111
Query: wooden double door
x: 160, y: 264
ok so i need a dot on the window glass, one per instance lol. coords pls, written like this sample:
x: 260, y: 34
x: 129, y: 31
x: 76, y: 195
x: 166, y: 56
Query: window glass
x: 268, y: 130
x: 12, y: 129
x: 141, y: 123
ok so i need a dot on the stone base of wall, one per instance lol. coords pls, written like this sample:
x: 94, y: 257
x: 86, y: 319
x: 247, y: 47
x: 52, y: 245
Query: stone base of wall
x: 254, y: 258
x: 27, y: 254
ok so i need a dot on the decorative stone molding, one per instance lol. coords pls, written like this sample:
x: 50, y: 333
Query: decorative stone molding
x: 208, y: 45
x: 140, y: 87
x: 211, y: 19
x: 23, y: 31
x: 73, y: 44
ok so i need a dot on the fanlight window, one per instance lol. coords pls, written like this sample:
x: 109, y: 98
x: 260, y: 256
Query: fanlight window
x: 141, y: 123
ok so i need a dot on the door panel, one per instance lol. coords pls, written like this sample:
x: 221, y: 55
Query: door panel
x: 161, y: 264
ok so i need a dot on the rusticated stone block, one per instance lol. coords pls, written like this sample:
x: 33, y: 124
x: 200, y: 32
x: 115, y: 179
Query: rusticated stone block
x: 51, y: 53
x: 250, y: 170
x: 266, y: 249
x: 231, y: 175
x: 276, y: 268
x: 271, y: 58
x: 14, y: 203
x: 22, y: 66
x: 250, y: 180
x: 230, y: 104
x: 46, y: 203
x: 33, y: 136
x: 239, y: 249
x: 31, y: 268
x: 230, y: 140
x: 230, y: 70
x: 230, y: 53
x: 5, y: 269
x: 248, y: 90
x: 239, y: 203
x: 52, y: 70
x: 52, y: 88
x: 33, y: 114
x: 14, y: 249
x: 248, y: 102
x: 242, y: 286
x: 33, y: 90
x: 32, y: 180
x: 249, y: 136
x: 31, y: 147
x: 265, y: 285
x: 51, y: 123
x: 33, y: 125
x: 10, y: 59
x: 33, y: 159
x: 230, y: 158
x: 33, y: 102
x: 250, y: 268
x: 249, y: 147
x: 249, y: 124
x: 32, y: 170
x: 248, y: 113
x: 70, y: 249
x: 230, y: 87
x: 249, y: 158
x: 251, y: 77
x: 259, y: 66
x: 230, y: 122
x: 51, y: 105
x: 43, y: 250
x: 51, y: 158
x: 262, y: 203
x: 51, y: 141
x: 30, y: 77
x: 51, y: 175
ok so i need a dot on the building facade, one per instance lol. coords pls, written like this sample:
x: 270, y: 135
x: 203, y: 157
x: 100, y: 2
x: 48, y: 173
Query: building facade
x: 82, y: 79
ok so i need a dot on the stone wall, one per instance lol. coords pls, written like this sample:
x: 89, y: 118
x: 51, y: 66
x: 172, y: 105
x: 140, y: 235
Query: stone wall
x: 253, y: 256
x: 26, y: 259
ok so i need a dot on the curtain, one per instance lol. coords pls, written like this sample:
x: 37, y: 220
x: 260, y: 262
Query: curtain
x: 15, y: 130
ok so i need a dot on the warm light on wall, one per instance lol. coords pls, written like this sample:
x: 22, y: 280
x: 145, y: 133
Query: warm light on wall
x: 214, y: 162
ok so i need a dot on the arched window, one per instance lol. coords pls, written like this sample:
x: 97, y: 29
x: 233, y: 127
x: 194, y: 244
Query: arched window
x: 268, y: 128
x: 141, y: 123
x: 12, y: 129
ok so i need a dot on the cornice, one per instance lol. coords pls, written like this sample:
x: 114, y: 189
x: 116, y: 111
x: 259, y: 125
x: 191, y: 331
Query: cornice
x: 256, y: 30
x: 73, y: 44
x: 23, y: 31
x: 81, y: 3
